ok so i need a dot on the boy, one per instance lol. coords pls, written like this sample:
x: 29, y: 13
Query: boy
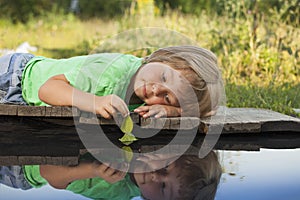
x: 172, y: 81
x: 187, y: 178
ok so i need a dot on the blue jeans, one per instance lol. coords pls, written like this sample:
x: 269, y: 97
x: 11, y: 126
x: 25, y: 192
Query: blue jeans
x: 11, y: 69
x: 13, y: 176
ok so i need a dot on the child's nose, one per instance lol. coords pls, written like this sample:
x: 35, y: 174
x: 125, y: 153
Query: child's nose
x: 156, y: 177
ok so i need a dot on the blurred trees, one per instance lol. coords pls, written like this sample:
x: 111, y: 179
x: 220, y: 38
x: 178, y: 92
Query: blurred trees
x: 24, y: 10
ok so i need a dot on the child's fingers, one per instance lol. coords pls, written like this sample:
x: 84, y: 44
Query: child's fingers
x: 156, y: 112
x: 146, y: 112
x: 121, y: 172
x: 122, y: 108
x: 120, y: 105
x: 110, y: 110
x: 119, y: 175
x: 158, y: 161
x: 142, y: 109
x: 115, y: 172
x: 111, y: 167
x: 160, y: 114
x: 104, y: 166
x: 142, y: 113
x: 151, y: 156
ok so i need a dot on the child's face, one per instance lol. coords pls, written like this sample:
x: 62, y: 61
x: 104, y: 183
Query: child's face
x: 157, y: 83
x: 156, y: 186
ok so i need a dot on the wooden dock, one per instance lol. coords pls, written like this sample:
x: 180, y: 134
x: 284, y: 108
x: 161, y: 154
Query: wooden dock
x: 49, y: 135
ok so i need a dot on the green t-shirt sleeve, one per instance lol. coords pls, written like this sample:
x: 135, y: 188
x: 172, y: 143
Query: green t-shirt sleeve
x: 104, y: 74
x: 100, y: 74
x: 33, y: 176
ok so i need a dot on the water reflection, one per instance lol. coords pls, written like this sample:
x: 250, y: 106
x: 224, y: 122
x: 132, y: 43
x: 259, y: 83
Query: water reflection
x: 170, y: 177
x: 267, y: 174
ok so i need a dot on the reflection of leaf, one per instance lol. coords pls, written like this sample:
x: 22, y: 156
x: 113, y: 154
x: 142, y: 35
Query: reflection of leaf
x: 128, y: 153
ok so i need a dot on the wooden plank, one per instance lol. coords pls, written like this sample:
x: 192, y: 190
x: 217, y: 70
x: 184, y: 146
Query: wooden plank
x: 31, y: 111
x: 8, y: 109
x: 38, y: 111
x: 250, y: 120
x: 38, y: 160
x: 9, y: 160
x: 51, y: 160
x: 31, y: 160
x: 237, y: 120
x: 70, y: 160
x: 61, y: 111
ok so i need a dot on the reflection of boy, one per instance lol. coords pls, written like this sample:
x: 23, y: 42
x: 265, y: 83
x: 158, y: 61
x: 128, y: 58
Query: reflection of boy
x: 101, y: 82
x: 189, y: 177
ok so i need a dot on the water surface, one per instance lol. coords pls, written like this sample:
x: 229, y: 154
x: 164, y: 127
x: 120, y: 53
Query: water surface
x: 260, y: 175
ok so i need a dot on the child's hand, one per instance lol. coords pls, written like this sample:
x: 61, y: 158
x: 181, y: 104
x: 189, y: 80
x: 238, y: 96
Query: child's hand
x: 158, y: 111
x: 158, y: 161
x: 109, y: 171
x: 108, y: 106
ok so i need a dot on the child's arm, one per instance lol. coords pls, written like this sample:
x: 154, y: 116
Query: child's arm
x: 61, y: 176
x: 158, y: 111
x: 58, y: 91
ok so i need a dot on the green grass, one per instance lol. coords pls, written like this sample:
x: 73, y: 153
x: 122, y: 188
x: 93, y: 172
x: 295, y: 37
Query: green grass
x: 259, y: 57
x: 280, y: 98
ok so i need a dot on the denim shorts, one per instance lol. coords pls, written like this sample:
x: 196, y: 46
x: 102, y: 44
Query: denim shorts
x: 13, y: 176
x: 11, y: 69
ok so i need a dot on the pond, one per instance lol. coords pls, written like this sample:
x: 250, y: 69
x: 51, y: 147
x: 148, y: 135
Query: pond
x: 260, y: 175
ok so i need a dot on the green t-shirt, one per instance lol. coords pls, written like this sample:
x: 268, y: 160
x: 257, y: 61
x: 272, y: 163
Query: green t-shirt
x: 94, y: 188
x: 33, y: 176
x: 97, y: 188
x: 100, y: 74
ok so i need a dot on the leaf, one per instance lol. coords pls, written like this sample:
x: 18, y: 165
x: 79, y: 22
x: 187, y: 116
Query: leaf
x: 126, y: 127
x: 128, y: 138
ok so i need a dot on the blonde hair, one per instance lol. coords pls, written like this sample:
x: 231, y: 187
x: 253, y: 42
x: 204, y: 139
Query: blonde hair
x: 198, y: 66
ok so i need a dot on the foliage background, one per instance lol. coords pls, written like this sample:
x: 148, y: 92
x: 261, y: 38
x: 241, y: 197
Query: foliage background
x: 256, y: 41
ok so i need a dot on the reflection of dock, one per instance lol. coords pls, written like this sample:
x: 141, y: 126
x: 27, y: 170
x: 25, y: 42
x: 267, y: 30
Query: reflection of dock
x: 40, y: 135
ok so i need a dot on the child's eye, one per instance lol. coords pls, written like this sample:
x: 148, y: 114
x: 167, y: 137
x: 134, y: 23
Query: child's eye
x: 163, y: 185
x: 163, y: 77
x: 167, y: 99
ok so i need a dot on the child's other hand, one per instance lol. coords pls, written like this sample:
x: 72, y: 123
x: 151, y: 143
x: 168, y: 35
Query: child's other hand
x: 108, y: 106
x: 158, y: 111
x: 111, y: 172
x: 158, y: 161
